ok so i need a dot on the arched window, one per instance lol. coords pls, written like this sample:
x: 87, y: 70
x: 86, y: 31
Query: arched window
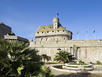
x: 46, y: 39
x: 41, y: 39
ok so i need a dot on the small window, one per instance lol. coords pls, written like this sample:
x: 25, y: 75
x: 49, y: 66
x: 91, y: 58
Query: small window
x: 42, y: 32
x: 58, y: 30
x: 41, y: 39
x: 47, y: 31
x: 38, y: 32
x: 52, y: 31
x: 46, y: 39
x: 63, y: 30
x: 50, y: 27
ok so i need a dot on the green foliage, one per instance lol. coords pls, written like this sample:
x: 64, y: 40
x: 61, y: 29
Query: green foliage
x: 45, y: 57
x: 52, y: 63
x: 58, y: 66
x: 17, y: 60
x: 45, y: 72
x: 98, y: 63
x: 63, y: 56
x: 81, y: 62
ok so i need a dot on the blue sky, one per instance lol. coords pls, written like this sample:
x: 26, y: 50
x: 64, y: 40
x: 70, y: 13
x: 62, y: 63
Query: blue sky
x: 25, y: 16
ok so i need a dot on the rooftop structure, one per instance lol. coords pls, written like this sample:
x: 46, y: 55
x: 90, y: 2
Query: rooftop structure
x: 7, y: 34
x: 4, y: 29
x: 53, y: 32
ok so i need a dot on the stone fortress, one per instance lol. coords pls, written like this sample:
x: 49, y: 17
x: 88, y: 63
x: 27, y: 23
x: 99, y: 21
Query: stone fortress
x: 7, y: 34
x: 50, y: 39
x: 4, y: 29
x: 53, y: 32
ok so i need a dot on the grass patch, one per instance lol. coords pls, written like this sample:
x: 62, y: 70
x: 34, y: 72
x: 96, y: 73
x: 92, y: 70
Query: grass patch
x: 52, y: 63
x: 73, y: 66
x: 98, y: 63
x: 58, y: 66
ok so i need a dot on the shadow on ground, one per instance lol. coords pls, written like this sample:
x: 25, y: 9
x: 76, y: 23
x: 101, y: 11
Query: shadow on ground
x: 79, y: 75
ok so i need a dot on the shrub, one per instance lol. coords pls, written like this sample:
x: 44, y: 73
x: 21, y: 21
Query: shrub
x: 98, y: 63
x: 18, y: 60
x: 63, y: 56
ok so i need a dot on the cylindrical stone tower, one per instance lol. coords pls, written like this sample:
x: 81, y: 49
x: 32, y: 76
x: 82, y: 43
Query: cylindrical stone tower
x: 55, y: 22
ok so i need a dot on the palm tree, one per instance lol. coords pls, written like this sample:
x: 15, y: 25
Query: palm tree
x: 63, y: 56
x: 14, y: 55
x: 18, y: 60
x: 45, y: 57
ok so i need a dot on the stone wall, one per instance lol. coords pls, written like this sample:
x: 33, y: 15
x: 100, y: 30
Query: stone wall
x: 53, y: 38
x: 4, y: 29
x: 85, y: 50
x: 53, y: 35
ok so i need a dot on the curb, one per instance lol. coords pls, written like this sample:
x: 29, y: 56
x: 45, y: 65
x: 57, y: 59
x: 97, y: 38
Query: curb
x: 70, y: 71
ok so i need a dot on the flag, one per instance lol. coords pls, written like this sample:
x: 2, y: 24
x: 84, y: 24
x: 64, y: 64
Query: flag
x: 93, y: 31
x: 57, y: 14
x: 77, y: 33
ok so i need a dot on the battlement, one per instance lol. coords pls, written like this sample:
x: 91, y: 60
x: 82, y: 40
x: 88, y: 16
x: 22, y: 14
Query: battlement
x: 67, y: 43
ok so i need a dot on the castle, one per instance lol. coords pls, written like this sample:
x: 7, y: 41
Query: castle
x: 54, y: 32
x: 50, y: 39
x: 7, y: 34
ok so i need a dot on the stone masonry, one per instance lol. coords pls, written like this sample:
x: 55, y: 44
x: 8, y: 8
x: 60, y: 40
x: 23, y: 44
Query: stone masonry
x: 51, y: 38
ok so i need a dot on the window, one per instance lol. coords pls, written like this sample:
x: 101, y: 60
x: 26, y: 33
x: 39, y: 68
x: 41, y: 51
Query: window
x: 41, y: 39
x: 63, y: 30
x: 46, y: 39
x: 52, y: 31
x: 42, y: 32
x: 50, y: 27
x: 47, y: 31
x: 58, y: 30
x: 38, y: 32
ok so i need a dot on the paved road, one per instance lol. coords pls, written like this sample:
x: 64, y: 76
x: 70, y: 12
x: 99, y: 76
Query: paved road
x: 66, y: 74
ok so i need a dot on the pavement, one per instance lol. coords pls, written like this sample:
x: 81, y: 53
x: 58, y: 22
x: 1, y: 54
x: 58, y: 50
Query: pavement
x: 58, y: 73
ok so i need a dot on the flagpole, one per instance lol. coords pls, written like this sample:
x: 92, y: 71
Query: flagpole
x: 57, y: 14
x: 77, y: 35
x: 94, y: 34
x: 86, y: 34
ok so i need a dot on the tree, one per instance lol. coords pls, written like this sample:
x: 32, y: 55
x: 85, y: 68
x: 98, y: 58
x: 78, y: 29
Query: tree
x: 18, y: 60
x: 63, y: 56
x: 45, y: 57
